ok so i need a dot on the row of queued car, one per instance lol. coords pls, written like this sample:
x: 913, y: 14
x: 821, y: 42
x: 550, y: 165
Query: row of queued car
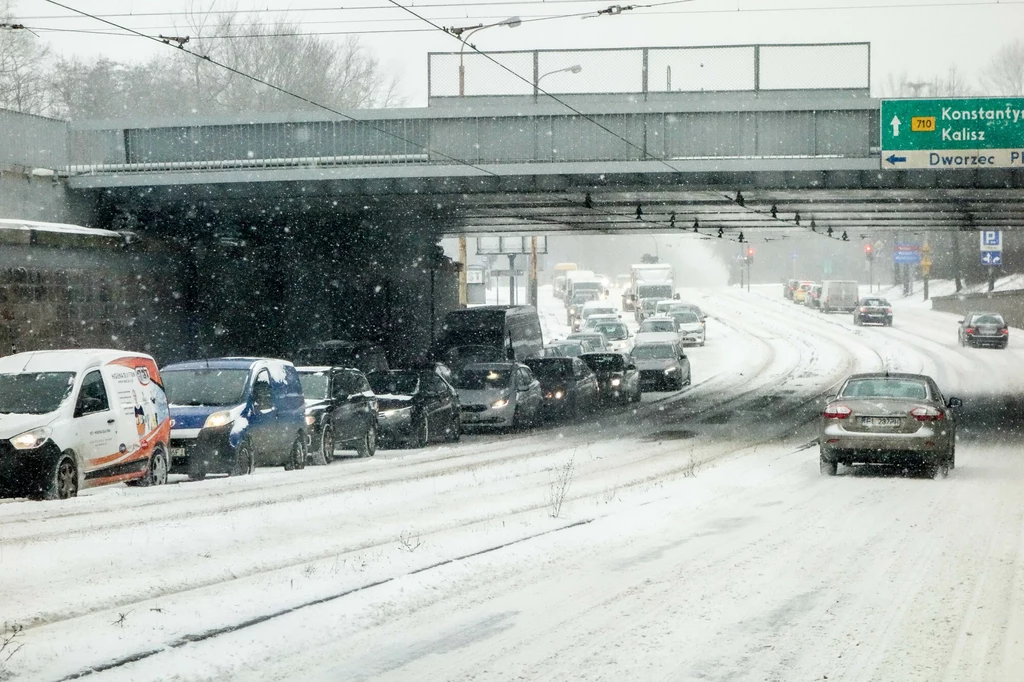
x: 76, y: 419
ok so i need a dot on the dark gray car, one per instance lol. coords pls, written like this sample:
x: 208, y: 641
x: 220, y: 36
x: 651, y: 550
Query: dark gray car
x: 886, y: 418
x: 662, y: 365
x: 983, y: 329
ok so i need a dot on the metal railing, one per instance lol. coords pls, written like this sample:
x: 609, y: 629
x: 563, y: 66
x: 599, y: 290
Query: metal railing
x: 642, y: 71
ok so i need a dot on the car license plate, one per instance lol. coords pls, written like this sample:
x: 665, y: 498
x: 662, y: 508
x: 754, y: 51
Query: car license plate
x: 881, y: 421
x: 177, y: 452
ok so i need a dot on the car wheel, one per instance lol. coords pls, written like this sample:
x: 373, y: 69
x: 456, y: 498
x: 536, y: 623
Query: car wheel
x: 297, y: 455
x: 63, y: 480
x: 828, y: 468
x: 367, y: 445
x: 327, y: 444
x: 157, y: 474
x: 245, y: 459
x: 421, y: 437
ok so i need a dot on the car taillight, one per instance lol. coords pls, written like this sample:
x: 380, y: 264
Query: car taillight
x: 970, y: 330
x: 888, y: 310
x: 1004, y: 331
x: 927, y: 414
x: 837, y: 412
x: 863, y: 310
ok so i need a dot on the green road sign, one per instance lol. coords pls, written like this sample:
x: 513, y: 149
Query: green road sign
x: 949, y: 134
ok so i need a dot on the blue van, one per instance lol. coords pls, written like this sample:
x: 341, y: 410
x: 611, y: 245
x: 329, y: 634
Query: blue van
x: 229, y: 415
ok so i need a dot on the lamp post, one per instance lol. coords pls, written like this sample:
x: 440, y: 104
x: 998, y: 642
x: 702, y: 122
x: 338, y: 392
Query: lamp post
x: 511, y: 22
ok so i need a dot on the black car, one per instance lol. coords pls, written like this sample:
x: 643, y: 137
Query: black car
x: 415, y: 406
x: 361, y: 355
x: 568, y: 385
x: 983, y: 329
x: 617, y: 376
x: 874, y: 310
x: 341, y: 412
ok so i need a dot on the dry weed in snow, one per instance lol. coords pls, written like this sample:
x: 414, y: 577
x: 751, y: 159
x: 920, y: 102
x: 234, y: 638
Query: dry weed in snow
x: 560, y: 486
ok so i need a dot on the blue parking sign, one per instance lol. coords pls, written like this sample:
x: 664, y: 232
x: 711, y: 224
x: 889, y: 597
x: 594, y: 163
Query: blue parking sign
x: 991, y: 240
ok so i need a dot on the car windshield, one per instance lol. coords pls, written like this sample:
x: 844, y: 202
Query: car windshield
x: 608, y: 362
x: 613, y: 331
x: 315, y: 385
x: 34, y: 392
x: 658, y: 326
x: 686, y: 317
x: 550, y: 368
x: 394, y: 383
x: 875, y: 303
x: 569, y: 349
x: 598, y: 311
x: 205, y: 386
x: 654, y: 352
x: 988, y: 319
x: 478, y: 379
x: 886, y: 387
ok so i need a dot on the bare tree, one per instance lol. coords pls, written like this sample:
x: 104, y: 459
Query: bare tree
x: 1005, y: 72
x: 342, y: 75
x: 952, y: 84
x: 23, y: 63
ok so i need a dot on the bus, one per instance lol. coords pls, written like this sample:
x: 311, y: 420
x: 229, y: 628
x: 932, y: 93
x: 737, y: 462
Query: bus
x: 560, y: 278
x: 490, y: 333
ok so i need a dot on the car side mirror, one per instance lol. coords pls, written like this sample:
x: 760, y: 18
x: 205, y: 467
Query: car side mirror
x: 355, y: 398
x: 960, y: 322
x: 955, y: 402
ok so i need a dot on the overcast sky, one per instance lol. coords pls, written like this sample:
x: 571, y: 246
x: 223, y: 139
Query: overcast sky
x: 920, y: 37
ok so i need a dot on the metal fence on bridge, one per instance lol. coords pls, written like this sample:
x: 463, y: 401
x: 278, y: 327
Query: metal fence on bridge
x: 825, y: 66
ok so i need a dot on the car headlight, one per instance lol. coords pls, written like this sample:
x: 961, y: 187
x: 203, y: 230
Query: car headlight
x: 616, y: 381
x: 671, y: 370
x: 500, y: 403
x: 310, y: 420
x: 31, y: 440
x: 218, y: 419
x: 572, y: 311
x: 559, y: 395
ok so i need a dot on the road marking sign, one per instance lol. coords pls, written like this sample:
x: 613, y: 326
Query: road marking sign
x: 992, y: 258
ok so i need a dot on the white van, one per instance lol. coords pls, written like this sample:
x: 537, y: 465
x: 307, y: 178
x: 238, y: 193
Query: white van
x: 838, y: 296
x: 74, y: 419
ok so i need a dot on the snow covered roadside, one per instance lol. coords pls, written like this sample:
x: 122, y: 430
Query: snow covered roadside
x: 708, y: 516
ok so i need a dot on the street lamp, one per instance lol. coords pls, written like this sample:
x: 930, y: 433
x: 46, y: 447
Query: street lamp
x: 575, y: 68
x: 511, y: 22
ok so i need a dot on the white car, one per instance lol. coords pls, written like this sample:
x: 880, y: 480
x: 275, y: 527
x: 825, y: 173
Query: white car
x: 601, y: 318
x: 74, y: 419
x: 658, y: 329
x: 691, y: 329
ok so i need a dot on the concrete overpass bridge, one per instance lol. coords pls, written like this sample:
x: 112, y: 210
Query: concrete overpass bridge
x: 489, y: 163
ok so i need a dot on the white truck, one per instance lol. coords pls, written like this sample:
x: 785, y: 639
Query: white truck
x: 648, y: 280
x: 582, y: 280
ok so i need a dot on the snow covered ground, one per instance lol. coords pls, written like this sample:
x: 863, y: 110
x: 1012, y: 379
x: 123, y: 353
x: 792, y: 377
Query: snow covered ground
x: 690, y: 537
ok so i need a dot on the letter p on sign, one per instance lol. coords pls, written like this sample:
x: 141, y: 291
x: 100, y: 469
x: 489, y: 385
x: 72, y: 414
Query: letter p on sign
x: 991, y: 240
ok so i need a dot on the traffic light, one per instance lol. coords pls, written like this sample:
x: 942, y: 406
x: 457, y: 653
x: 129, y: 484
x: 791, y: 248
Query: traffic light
x: 869, y: 251
x: 750, y: 254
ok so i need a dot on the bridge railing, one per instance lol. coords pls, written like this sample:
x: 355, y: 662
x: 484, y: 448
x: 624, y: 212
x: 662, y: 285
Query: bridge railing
x: 641, y: 71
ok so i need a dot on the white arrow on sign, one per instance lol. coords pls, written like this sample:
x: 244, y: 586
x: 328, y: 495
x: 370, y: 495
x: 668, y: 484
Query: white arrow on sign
x: 895, y: 123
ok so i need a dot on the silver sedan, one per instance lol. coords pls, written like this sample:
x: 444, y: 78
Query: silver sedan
x: 888, y: 418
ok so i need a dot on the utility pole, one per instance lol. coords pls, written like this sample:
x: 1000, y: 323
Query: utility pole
x: 533, y: 272
x: 511, y: 279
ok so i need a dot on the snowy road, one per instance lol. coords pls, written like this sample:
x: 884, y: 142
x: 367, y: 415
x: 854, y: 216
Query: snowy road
x: 696, y: 540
